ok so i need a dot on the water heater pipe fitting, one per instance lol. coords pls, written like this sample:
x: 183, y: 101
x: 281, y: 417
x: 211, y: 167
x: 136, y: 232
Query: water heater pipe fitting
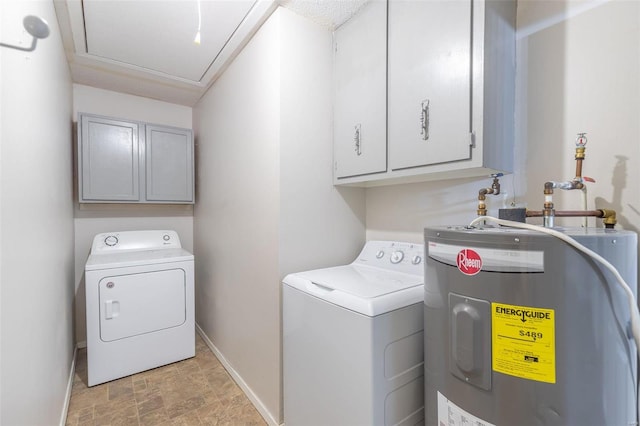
x: 494, y: 189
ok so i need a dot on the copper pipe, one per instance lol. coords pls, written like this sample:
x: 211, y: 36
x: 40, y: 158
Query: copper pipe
x: 578, y: 169
x: 579, y: 157
x: 482, y: 194
x: 570, y: 213
x: 608, y: 216
x: 579, y: 213
x: 567, y: 213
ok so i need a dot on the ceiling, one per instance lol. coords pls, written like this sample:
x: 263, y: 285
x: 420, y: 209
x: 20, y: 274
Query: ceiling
x: 148, y: 48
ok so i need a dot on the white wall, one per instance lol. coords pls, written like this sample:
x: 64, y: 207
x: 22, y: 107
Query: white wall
x: 577, y: 71
x: 36, y: 223
x: 236, y: 216
x: 266, y: 203
x: 580, y: 72
x: 92, y: 219
x: 320, y: 225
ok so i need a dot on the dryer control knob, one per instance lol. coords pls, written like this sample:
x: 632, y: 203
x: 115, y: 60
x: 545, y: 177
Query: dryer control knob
x: 379, y: 254
x: 397, y: 256
x: 111, y: 240
x: 416, y: 260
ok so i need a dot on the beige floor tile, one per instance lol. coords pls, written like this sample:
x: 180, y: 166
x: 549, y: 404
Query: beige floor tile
x: 88, y: 398
x: 152, y: 403
x: 107, y: 408
x: 80, y: 416
x: 189, y: 419
x: 124, y: 417
x: 155, y: 418
x: 185, y: 406
x: 211, y: 414
x: 120, y: 389
x: 188, y: 366
x: 193, y: 392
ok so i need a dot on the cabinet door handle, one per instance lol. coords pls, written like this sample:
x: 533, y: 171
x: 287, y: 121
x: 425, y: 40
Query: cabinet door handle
x: 357, y: 139
x: 424, y: 120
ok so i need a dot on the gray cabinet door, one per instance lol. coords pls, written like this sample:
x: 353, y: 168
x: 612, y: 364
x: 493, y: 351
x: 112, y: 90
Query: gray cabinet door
x: 360, y: 107
x: 429, y: 82
x: 109, y: 160
x: 169, y: 164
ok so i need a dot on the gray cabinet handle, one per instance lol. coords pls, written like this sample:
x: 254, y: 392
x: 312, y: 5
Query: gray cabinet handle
x: 357, y: 140
x: 424, y: 120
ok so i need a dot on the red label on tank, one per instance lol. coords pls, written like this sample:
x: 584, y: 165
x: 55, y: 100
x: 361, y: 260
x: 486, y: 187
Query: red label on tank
x: 469, y: 262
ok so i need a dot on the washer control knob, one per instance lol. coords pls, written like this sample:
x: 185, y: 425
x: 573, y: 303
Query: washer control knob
x: 416, y: 260
x: 379, y: 254
x: 397, y: 256
x: 166, y: 237
x: 111, y: 240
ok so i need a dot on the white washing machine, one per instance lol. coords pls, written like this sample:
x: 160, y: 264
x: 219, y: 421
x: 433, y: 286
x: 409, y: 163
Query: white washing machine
x: 140, y: 303
x: 353, y: 340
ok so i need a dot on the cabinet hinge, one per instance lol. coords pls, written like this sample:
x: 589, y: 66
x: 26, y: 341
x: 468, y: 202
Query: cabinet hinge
x: 472, y: 139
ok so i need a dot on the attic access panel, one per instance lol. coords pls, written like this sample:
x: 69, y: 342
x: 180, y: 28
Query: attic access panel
x: 158, y: 35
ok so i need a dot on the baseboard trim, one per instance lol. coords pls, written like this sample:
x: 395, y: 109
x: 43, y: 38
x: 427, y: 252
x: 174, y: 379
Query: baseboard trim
x: 67, y: 396
x: 264, y: 412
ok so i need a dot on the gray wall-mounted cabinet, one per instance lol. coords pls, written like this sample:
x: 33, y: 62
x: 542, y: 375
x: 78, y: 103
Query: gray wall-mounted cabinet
x: 450, y: 91
x: 123, y: 161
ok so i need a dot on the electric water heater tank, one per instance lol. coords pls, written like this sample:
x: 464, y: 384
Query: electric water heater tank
x: 523, y: 329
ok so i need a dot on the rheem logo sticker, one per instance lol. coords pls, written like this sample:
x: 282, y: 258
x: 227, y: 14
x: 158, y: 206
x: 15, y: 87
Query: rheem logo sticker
x: 469, y: 262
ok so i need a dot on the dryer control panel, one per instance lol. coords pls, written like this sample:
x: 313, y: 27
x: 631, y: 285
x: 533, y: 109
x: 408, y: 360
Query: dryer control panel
x: 135, y: 240
x: 393, y: 255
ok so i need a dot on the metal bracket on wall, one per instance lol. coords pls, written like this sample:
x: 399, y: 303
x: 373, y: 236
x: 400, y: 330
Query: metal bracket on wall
x: 35, y: 26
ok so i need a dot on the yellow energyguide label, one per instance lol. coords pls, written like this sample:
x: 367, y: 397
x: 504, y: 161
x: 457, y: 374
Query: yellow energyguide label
x: 523, y: 342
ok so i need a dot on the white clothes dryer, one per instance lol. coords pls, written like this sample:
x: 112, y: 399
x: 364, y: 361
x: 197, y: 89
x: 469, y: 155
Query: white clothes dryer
x: 139, y: 303
x: 353, y: 340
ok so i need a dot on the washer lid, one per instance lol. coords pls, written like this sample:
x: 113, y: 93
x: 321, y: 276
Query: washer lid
x: 136, y: 258
x: 368, y: 290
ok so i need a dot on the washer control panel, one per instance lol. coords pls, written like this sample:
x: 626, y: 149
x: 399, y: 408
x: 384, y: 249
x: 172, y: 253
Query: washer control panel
x: 400, y: 256
x: 135, y: 240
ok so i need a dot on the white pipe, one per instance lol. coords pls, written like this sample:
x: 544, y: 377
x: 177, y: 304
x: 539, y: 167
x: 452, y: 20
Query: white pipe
x: 583, y: 192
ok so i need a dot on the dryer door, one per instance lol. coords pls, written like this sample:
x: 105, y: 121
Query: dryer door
x: 141, y: 303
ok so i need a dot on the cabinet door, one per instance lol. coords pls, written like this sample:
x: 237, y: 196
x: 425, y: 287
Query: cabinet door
x: 109, y: 160
x: 429, y: 82
x: 169, y: 164
x: 360, y: 140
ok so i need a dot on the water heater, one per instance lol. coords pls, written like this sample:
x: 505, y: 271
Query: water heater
x: 523, y: 329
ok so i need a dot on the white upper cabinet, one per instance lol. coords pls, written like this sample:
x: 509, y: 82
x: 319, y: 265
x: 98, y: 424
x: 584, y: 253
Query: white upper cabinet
x: 123, y: 161
x: 450, y: 92
x: 360, y: 61
x: 429, y: 82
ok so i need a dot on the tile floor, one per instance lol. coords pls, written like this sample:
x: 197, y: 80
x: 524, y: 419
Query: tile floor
x: 196, y: 391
